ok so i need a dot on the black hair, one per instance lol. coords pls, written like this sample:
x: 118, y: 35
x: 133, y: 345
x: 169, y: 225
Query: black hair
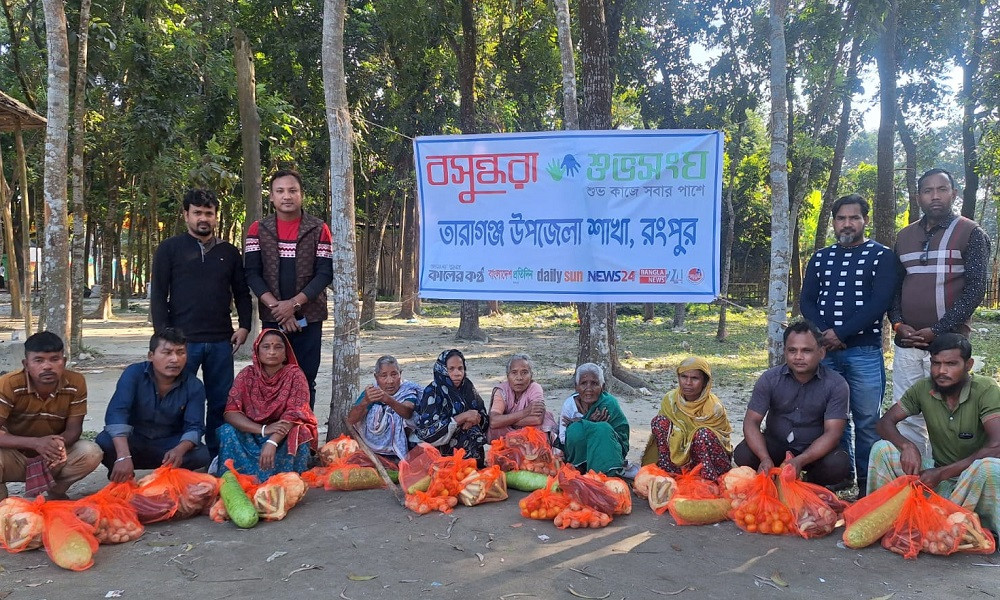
x: 951, y: 341
x: 168, y: 335
x: 951, y: 179
x: 200, y: 197
x: 852, y: 199
x: 802, y: 326
x: 43, y: 341
x: 284, y: 173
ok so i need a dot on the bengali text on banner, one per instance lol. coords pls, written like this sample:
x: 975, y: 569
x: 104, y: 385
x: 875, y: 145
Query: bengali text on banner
x: 589, y: 216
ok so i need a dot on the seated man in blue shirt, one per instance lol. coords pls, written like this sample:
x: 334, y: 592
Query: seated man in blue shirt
x: 157, y: 413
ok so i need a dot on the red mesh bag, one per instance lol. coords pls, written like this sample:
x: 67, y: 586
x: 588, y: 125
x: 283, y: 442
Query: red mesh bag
x: 810, y: 504
x: 763, y: 512
x: 587, y: 491
x: 485, y: 485
x: 575, y: 516
x: 276, y: 496
x: 115, y: 519
x: 68, y: 541
x: 337, y: 449
x: 525, y: 449
x: 21, y: 525
x: 933, y: 524
x: 544, y: 503
x: 415, y: 469
x: 192, y: 492
x: 873, y: 516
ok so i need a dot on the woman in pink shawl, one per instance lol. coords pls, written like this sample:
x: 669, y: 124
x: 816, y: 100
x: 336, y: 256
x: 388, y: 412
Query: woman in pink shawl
x: 519, y: 401
x: 269, y: 426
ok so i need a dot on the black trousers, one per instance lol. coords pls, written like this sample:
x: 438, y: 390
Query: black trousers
x: 831, y: 469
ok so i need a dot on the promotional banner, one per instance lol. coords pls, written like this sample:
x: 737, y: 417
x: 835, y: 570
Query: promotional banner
x: 589, y: 216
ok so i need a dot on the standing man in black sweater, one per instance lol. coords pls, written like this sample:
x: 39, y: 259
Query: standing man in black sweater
x: 196, y: 278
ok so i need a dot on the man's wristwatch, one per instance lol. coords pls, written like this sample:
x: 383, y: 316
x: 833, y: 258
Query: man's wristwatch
x: 297, y: 306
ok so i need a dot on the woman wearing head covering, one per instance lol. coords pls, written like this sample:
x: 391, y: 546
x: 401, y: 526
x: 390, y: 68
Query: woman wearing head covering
x: 450, y: 413
x: 382, y: 413
x: 593, y: 429
x: 692, y: 426
x: 269, y: 426
x: 519, y: 401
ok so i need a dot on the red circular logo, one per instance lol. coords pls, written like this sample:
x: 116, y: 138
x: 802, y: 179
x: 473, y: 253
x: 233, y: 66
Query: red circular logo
x: 696, y: 275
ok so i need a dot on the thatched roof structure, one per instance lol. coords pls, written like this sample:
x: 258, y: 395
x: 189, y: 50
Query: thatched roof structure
x: 13, y: 112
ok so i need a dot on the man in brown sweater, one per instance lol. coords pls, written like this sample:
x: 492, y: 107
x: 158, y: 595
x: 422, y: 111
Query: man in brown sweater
x: 944, y: 266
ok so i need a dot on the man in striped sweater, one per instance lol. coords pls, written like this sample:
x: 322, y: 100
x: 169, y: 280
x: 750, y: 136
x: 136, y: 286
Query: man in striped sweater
x: 944, y: 260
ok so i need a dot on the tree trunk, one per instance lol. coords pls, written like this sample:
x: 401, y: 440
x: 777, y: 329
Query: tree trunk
x: 571, y: 116
x: 246, y: 93
x: 493, y: 308
x: 108, y: 229
x: 840, y: 147
x: 346, y: 351
x: 57, y: 280
x: 369, y: 289
x: 735, y: 157
x: 777, y: 291
x: 796, y: 286
x: 910, y: 149
x: 967, y: 96
x: 14, y: 39
x: 79, y: 265
x: 119, y: 256
x: 13, y: 273
x: 648, y: 311
x: 884, y: 221
x: 468, y: 325
x: 408, y: 281
x: 27, y: 273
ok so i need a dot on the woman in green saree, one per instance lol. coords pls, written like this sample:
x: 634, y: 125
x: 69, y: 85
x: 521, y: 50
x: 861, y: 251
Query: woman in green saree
x: 592, y: 428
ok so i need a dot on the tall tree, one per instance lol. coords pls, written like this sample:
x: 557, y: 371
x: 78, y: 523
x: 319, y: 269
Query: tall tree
x: 972, y: 57
x: 465, y: 53
x: 13, y: 273
x: 79, y: 266
x: 55, y: 293
x: 346, y: 351
x: 884, y: 222
x: 564, y: 32
x: 777, y: 291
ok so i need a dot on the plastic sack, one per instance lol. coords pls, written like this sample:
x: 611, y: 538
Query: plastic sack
x: 193, y: 492
x: 276, y: 496
x: 115, y: 519
x: 346, y: 477
x: 485, y: 485
x: 810, y: 504
x: 873, y: 516
x: 933, y: 524
x: 544, y: 503
x: 620, y: 490
x: 525, y: 449
x: 337, y: 449
x: 586, y: 491
x: 415, y: 469
x: 21, y: 525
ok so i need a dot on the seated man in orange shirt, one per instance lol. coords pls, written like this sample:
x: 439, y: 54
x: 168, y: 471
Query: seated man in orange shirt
x: 41, y: 418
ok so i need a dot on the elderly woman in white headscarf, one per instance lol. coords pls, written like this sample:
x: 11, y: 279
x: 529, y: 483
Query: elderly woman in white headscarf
x: 382, y: 413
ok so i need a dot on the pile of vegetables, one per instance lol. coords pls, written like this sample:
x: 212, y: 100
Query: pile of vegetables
x: 68, y: 541
x: 485, y: 485
x: 817, y: 510
x: 578, y: 501
x: 911, y: 518
x: 253, y: 501
x: 697, y: 501
x: 525, y: 449
x: 445, y: 478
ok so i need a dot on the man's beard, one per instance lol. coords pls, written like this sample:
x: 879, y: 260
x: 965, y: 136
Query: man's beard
x: 948, y: 390
x: 848, y: 239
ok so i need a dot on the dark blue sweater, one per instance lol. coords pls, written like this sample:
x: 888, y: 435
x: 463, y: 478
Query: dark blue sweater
x: 849, y: 289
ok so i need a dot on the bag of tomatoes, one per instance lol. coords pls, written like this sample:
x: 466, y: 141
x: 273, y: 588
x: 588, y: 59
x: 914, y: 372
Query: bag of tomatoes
x: 762, y: 511
x: 545, y: 503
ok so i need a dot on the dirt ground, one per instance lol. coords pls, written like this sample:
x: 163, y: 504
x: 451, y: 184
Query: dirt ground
x: 358, y: 545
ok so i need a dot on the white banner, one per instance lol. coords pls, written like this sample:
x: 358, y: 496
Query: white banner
x: 590, y: 216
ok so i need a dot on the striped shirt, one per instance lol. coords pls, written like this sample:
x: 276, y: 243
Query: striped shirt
x: 29, y: 415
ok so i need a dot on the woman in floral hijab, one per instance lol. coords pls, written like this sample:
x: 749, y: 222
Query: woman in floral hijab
x: 451, y: 414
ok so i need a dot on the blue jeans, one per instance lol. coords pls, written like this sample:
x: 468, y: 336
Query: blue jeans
x: 864, y: 369
x: 216, y: 362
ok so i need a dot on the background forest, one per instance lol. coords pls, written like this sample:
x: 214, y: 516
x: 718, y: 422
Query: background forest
x: 220, y: 94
